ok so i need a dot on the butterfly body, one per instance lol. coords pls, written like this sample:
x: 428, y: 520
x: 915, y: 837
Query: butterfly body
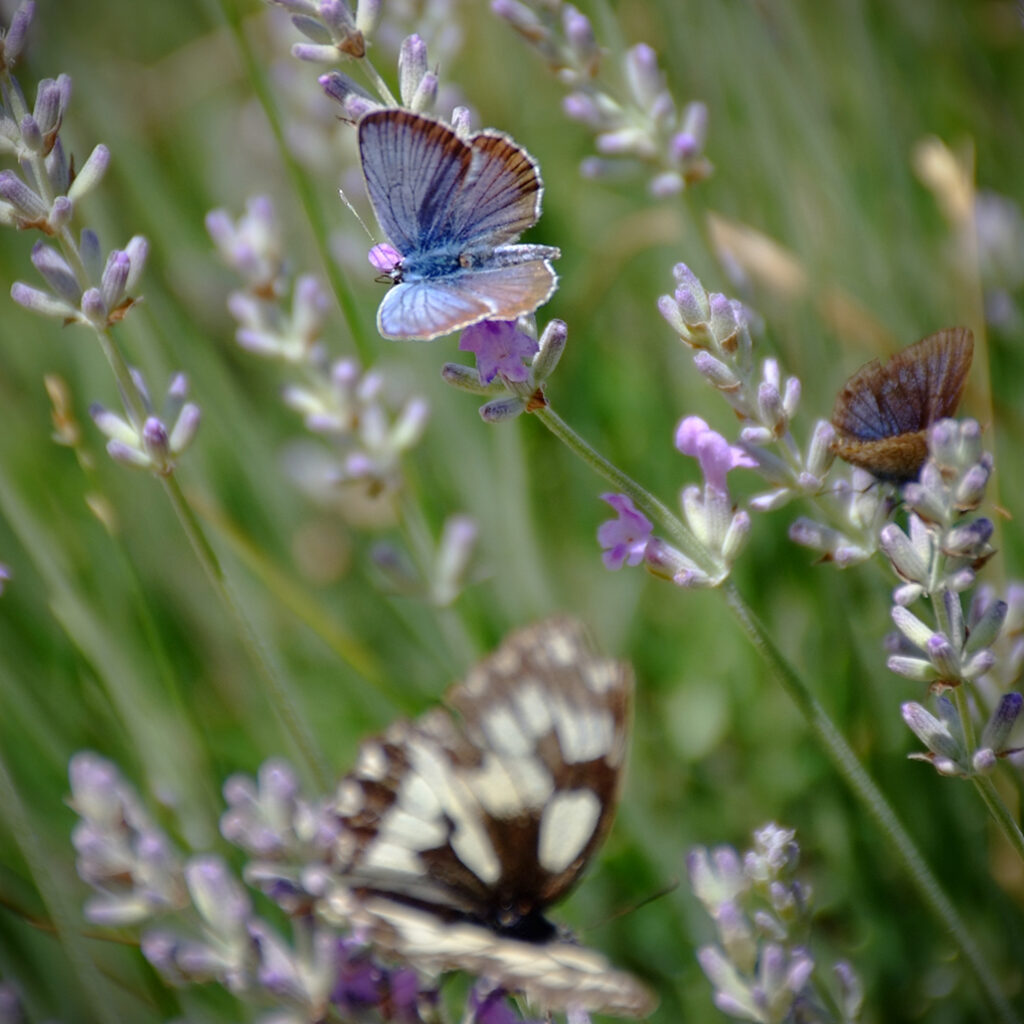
x: 452, y: 208
x: 459, y: 832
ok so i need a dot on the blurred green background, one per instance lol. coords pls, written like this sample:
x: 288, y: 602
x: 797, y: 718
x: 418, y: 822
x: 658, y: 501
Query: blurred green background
x: 118, y: 644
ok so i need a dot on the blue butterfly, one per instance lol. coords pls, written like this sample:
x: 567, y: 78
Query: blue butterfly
x: 451, y: 208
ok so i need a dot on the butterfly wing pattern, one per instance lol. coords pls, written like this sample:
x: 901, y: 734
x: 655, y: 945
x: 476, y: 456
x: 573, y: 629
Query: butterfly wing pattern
x: 459, y: 830
x: 452, y: 207
x: 883, y: 411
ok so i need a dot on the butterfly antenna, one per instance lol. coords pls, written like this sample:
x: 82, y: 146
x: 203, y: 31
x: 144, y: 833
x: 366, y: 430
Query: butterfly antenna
x: 355, y: 213
x: 634, y: 907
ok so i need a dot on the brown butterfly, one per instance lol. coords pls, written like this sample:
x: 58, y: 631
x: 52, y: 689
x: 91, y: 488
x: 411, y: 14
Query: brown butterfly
x: 883, y: 413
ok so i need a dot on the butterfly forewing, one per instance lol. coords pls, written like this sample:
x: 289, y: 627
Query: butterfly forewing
x: 458, y: 829
x: 414, y: 169
x: 501, y: 192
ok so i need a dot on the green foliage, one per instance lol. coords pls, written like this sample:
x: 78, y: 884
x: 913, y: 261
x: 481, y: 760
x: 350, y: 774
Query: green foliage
x: 114, y: 641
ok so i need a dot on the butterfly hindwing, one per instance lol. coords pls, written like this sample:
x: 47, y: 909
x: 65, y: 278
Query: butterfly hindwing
x: 460, y: 828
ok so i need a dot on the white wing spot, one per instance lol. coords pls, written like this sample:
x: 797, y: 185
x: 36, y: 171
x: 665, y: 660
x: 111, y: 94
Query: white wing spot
x: 505, y: 789
x: 409, y: 830
x: 532, y: 706
x: 372, y: 764
x: 601, y: 676
x: 566, y: 827
x: 350, y: 798
x: 384, y: 856
x: 583, y: 735
x: 503, y: 732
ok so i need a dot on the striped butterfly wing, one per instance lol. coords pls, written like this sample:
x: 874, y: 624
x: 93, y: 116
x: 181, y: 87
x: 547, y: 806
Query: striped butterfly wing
x: 460, y: 829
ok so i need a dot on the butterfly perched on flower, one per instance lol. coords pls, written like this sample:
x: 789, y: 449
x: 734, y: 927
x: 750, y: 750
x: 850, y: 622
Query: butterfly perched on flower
x: 883, y: 413
x: 457, y: 833
x: 451, y: 209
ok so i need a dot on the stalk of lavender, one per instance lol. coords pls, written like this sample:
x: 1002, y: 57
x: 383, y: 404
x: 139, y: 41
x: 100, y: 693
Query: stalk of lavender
x: 635, y: 123
x: 762, y: 968
x: 85, y: 288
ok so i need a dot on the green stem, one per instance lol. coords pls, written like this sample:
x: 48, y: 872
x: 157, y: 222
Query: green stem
x: 303, y: 185
x: 833, y: 742
x: 1000, y: 813
x: 872, y: 800
x: 651, y: 506
x: 279, y: 693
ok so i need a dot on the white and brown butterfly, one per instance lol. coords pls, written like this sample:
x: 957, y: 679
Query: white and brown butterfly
x: 460, y: 830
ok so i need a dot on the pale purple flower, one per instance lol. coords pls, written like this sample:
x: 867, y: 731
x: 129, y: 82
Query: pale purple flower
x: 624, y: 539
x: 715, y: 455
x: 499, y: 347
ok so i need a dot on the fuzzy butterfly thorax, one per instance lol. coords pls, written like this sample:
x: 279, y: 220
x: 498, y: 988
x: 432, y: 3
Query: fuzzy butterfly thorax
x: 459, y: 829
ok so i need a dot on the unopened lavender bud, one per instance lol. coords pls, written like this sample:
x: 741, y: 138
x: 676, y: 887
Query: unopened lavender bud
x: 943, y: 657
x: 916, y: 631
x: 467, y: 378
x: 90, y: 174
x: 772, y: 413
x: 412, y: 66
x: 410, y: 424
x: 13, y: 42
x: 51, y: 102
x: 724, y: 323
x: 31, y: 136
x: 368, y: 16
x: 185, y: 428
x: 962, y: 580
x: 986, y: 628
x: 666, y: 185
x: 578, y: 106
x: 791, y: 397
x: 522, y: 19
x: 970, y: 539
x: 1000, y: 725
x: 906, y: 559
x: 970, y: 491
x: 717, y: 373
x: 426, y: 93
x: 735, y: 537
x: 37, y: 301
x: 56, y: 271
x: 61, y: 213
x: 462, y: 122
x: 642, y: 74
x: 455, y: 549
x: 26, y: 202
x: 819, y: 452
x: 550, y: 348
x: 737, y: 938
x: 851, y: 991
x: 932, y: 732
x: 631, y: 141
x: 93, y: 308
x: 336, y: 16
x: 919, y: 670
x: 943, y: 441
x: 502, y: 409
x: 579, y: 33
x: 315, y: 53
x: 155, y: 439
x: 907, y: 593
x: 115, y: 278
x: 216, y: 894
x: 984, y: 761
